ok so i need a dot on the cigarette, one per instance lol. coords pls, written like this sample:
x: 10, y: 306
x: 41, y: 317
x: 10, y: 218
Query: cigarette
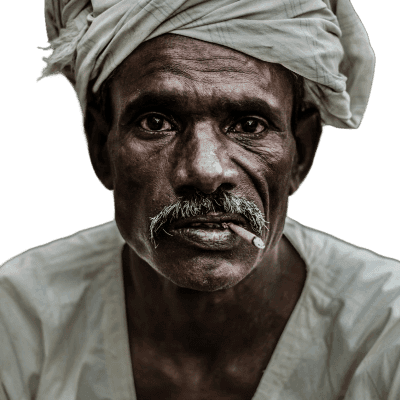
x: 249, y: 237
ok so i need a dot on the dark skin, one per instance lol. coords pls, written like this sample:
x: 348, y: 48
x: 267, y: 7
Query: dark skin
x: 202, y: 323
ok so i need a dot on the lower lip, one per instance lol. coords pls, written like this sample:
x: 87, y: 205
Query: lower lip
x: 207, y: 238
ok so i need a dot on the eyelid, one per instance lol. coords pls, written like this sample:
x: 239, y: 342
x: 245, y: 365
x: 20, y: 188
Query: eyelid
x: 170, y: 119
x: 260, y: 119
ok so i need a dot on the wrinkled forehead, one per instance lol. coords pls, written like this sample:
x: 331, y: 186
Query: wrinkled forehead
x: 177, y: 63
x: 185, y: 49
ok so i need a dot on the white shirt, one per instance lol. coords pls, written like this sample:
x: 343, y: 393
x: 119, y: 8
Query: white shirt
x: 63, y: 329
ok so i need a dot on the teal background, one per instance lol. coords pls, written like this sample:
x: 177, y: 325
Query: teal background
x: 48, y: 189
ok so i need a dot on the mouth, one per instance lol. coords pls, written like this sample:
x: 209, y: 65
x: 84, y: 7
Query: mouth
x: 208, y: 221
x: 205, y: 225
x: 207, y: 231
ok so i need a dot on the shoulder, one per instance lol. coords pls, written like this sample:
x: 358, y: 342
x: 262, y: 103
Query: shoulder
x: 43, y: 292
x: 325, y: 253
x: 33, y: 279
x: 81, y: 249
x: 355, y: 297
x: 342, y: 273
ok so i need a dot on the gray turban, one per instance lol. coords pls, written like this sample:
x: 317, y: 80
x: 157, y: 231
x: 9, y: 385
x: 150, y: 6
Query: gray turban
x: 321, y: 40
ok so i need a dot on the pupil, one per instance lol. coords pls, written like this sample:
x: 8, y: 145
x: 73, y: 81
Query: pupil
x: 249, y: 125
x: 155, y: 123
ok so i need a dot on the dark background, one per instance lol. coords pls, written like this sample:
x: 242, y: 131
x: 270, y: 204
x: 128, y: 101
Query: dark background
x: 48, y: 189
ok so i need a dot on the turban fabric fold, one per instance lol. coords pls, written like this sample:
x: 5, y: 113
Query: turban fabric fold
x: 321, y: 40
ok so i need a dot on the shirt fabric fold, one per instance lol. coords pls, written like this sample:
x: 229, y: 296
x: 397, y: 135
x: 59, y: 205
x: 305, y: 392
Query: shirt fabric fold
x: 63, y: 328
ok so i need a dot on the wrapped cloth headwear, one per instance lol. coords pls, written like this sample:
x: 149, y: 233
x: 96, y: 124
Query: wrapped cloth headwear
x: 321, y: 40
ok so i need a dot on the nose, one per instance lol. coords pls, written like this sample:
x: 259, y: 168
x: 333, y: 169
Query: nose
x: 201, y: 161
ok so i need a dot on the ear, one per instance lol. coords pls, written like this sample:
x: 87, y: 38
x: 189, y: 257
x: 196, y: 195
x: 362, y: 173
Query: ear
x: 307, y: 136
x: 97, y: 130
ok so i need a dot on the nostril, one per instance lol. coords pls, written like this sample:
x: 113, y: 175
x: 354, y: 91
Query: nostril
x: 185, y: 191
x: 226, y: 187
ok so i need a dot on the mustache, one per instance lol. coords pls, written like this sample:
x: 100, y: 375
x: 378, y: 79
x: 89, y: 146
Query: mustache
x: 200, y: 203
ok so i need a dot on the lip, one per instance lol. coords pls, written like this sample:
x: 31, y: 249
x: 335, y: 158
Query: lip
x: 207, y: 238
x: 216, y: 218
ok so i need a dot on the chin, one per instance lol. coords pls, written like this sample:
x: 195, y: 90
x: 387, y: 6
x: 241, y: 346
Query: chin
x: 205, y: 275
x: 192, y: 267
x: 206, y: 285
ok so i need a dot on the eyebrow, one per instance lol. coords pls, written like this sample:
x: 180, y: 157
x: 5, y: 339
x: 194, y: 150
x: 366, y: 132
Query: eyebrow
x: 173, y: 102
x: 150, y: 100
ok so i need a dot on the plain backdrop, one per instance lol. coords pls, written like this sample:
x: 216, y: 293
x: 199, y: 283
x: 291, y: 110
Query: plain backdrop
x: 49, y: 190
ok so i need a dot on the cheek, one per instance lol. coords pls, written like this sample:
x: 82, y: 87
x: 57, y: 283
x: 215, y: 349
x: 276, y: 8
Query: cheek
x: 278, y: 175
x: 128, y: 159
x: 138, y: 190
x: 275, y: 163
x: 128, y: 171
x: 138, y: 168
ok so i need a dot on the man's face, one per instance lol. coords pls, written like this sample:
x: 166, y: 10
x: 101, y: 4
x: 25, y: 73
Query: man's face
x: 191, y: 119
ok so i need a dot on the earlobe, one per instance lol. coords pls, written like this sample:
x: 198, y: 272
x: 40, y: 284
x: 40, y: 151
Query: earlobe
x: 307, y: 136
x: 96, y: 129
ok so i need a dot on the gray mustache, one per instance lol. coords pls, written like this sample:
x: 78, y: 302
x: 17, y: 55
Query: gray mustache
x: 200, y: 203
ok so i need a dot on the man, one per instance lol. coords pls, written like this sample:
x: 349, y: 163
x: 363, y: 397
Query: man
x: 201, y: 289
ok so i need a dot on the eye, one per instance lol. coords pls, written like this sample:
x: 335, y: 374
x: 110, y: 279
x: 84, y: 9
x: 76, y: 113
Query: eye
x: 249, y: 126
x: 155, y: 123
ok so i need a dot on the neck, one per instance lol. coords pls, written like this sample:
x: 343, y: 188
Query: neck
x: 226, y: 320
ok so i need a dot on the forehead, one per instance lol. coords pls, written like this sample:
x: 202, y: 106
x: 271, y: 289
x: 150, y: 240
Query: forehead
x: 183, y: 66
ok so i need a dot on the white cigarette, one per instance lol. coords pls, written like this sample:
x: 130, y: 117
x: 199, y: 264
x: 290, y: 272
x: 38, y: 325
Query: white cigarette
x: 246, y: 235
